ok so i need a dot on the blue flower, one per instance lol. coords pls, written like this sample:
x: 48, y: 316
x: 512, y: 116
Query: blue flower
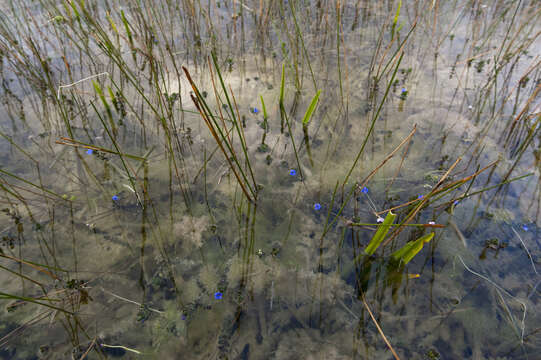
x: 525, y: 227
x: 364, y: 190
x: 183, y: 317
x: 218, y: 295
x: 292, y: 172
x: 89, y: 151
x: 317, y: 206
x: 255, y: 110
x: 404, y: 90
x: 115, y: 197
x: 455, y: 202
x: 420, y: 197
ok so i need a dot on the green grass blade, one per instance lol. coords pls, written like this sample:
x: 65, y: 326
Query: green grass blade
x: 311, y: 109
x: 265, y: 115
x: 395, y: 20
x: 380, y: 234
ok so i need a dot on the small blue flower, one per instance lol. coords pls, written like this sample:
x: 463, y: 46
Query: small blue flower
x: 115, y: 197
x: 218, y: 295
x: 404, y: 90
x: 525, y: 227
x: 455, y: 202
x: 317, y: 206
x: 183, y: 317
x: 255, y: 110
x: 364, y: 190
x: 89, y: 151
x: 420, y: 197
x: 292, y: 172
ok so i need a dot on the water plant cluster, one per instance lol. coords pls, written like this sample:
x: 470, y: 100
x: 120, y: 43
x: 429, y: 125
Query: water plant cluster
x: 269, y: 179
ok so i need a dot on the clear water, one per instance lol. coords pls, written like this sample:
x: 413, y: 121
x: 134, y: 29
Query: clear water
x: 185, y: 266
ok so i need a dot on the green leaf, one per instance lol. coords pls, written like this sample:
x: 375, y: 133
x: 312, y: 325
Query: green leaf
x: 395, y: 20
x: 380, y: 234
x: 311, y: 108
x: 265, y: 115
x: 408, y: 251
x: 397, y: 14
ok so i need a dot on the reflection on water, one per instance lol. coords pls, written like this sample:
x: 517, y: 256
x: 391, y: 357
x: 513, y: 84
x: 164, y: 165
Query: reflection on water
x: 137, y: 224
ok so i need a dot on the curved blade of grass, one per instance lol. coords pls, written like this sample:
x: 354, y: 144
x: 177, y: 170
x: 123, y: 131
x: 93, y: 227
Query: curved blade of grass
x: 395, y: 20
x: 265, y: 115
x: 380, y: 234
x: 311, y: 109
x: 408, y: 251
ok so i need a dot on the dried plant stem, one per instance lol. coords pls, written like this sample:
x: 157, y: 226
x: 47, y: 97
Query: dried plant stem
x: 379, y: 328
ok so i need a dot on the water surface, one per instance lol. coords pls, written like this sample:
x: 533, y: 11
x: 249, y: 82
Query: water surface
x: 127, y: 233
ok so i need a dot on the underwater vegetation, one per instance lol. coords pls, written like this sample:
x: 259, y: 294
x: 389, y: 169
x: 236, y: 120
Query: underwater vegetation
x: 237, y: 179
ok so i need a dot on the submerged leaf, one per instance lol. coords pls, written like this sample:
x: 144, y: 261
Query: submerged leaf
x: 408, y: 251
x: 380, y: 234
x: 311, y: 109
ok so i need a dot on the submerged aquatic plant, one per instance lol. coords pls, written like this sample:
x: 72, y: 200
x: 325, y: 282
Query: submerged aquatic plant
x: 408, y: 251
x: 140, y: 108
x: 378, y: 237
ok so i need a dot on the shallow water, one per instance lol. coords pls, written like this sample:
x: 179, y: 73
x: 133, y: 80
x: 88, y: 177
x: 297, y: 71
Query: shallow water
x: 159, y: 252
